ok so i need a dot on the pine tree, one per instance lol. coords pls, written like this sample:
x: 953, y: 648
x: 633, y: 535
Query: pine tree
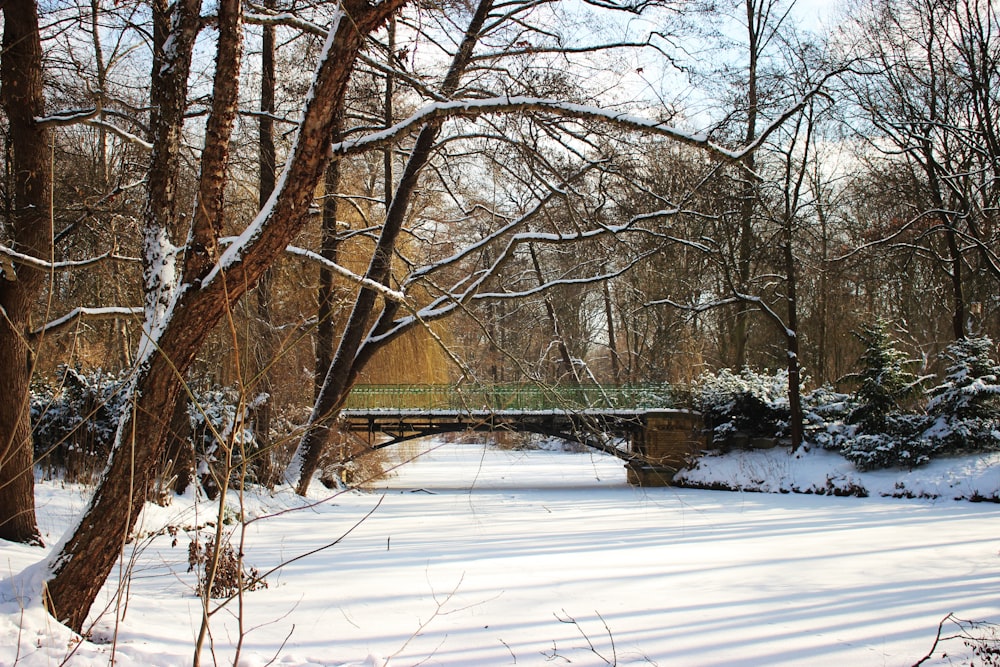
x: 884, y: 382
x: 971, y: 389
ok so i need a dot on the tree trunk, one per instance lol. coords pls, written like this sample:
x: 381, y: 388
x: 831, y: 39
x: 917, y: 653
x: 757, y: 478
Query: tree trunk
x: 22, y: 98
x: 266, y: 348
x: 796, y: 417
x: 755, y: 15
x: 328, y: 249
x: 612, y: 337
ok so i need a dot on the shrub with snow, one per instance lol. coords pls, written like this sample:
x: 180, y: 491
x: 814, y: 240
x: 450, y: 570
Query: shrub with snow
x: 751, y: 403
x: 223, y: 437
x: 902, y: 445
x: 884, y: 383
x: 826, y: 413
x: 966, y: 405
x: 74, y: 421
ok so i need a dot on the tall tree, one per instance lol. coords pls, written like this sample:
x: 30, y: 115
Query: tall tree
x: 29, y: 224
x: 192, y: 284
x: 348, y: 360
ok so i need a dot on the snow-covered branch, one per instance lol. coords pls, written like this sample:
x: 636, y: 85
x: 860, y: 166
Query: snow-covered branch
x: 45, y: 265
x: 532, y: 49
x: 90, y: 117
x: 262, y: 16
x: 89, y: 314
x: 121, y: 134
x: 387, y: 292
x: 440, y: 111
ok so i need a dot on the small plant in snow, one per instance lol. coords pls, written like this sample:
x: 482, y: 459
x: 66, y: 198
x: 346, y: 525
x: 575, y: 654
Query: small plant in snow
x: 227, y: 572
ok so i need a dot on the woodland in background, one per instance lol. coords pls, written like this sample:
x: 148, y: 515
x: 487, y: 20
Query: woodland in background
x: 445, y: 192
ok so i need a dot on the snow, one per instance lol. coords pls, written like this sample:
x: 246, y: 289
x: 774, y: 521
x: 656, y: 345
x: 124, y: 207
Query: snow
x: 479, y: 556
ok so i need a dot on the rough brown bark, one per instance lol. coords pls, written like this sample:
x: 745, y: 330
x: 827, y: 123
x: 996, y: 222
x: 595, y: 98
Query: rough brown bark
x: 203, y: 248
x: 329, y: 244
x: 22, y: 98
x: 81, y: 567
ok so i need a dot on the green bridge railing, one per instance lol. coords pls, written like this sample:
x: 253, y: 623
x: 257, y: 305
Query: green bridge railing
x: 514, y: 397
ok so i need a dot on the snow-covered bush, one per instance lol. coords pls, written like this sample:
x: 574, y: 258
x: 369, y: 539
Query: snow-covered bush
x: 223, y: 437
x: 966, y: 405
x: 870, y: 427
x: 872, y: 431
x: 749, y: 403
x: 74, y: 421
x: 902, y: 445
x: 826, y: 413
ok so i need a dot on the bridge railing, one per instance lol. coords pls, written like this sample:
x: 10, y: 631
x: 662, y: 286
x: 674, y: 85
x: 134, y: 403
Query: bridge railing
x: 513, y: 397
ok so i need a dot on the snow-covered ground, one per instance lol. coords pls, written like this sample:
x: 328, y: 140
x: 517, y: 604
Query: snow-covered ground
x: 474, y: 556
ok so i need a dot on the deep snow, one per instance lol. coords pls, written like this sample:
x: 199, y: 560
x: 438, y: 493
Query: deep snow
x: 478, y: 556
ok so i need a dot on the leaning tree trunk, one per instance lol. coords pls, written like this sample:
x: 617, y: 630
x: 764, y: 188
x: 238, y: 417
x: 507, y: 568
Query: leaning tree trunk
x: 88, y: 556
x: 22, y: 99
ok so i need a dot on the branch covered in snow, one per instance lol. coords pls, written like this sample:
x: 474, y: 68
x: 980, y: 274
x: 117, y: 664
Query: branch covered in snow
x: 90, y: 117
x: 80, y: 314
x: 387, y: 292
x: 440, y: 111
x: 45, y: 265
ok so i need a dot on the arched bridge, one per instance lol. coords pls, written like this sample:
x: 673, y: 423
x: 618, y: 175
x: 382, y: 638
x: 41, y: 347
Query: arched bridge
x: 637, y: 423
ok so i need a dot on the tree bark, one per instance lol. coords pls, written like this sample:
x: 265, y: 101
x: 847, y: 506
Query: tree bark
x: 755, y: 15
x: 329, y: 244
x: 22, y: 98
x: 266, y: 347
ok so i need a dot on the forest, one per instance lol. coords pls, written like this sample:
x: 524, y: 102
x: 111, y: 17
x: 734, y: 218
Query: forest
x: 253, y: 208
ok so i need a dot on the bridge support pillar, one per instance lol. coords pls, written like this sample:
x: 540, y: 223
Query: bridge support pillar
x: 666, y: 443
